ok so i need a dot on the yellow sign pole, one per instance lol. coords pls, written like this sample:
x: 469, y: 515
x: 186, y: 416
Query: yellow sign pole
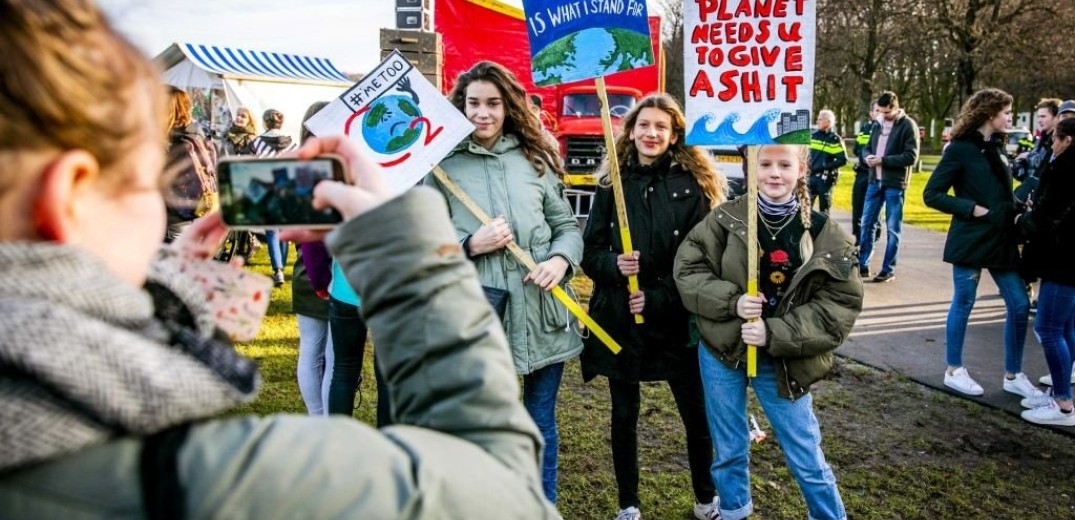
x: 617, y: 187
x: 557, y: 292
x: 752, y: 244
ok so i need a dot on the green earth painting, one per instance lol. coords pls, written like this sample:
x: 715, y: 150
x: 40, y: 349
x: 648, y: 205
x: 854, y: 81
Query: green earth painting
x: 606, y: 51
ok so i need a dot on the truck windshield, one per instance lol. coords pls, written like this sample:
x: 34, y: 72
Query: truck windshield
x: 587, y: 105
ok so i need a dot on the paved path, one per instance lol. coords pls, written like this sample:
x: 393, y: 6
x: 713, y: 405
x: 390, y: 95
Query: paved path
x: 902, y: 324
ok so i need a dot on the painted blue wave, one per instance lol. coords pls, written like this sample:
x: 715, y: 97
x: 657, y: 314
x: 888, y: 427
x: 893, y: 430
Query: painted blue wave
x: 725, y: 133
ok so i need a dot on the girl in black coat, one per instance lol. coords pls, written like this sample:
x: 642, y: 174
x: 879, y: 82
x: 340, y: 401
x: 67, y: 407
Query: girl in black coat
x: 1050, y: 227
x: 668, y: 188
x: 982, y: 235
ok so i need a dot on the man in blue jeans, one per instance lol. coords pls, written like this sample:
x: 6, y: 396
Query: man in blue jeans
x: 890, y: 155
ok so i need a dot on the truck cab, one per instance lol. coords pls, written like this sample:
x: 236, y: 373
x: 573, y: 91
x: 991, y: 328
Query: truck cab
x: 579, y: 130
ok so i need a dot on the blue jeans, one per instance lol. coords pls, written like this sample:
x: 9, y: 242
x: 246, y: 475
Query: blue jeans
x: 1055, y: 328
x: 277, y: 249
x: 796, y: 429
x: 1016, y: 302
x: 539, y: 397
x: 892, y: 199
x: 314, y: 368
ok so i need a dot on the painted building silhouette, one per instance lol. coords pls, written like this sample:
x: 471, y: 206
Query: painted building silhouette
x: 789, y: 122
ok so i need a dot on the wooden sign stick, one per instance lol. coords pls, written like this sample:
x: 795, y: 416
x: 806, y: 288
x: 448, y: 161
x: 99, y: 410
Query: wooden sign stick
x: 617, y: 187
x: 516, y: 251
x: 752, y: 244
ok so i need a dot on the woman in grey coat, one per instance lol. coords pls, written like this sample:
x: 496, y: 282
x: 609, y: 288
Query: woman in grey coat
x: 513, y: 173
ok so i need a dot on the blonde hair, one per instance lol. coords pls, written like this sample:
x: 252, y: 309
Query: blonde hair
x: 68, y: 83
x: 801, y: 191
x: 251, y: 126
x: 713, y: 183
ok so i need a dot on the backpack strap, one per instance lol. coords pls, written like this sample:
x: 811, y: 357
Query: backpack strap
x: 163, y: 495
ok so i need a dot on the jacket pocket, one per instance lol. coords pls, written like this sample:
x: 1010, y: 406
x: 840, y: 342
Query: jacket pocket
x: 554, y: 315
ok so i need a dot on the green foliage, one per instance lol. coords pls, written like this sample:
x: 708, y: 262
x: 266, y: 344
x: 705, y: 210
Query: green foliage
x: 559, y: 53
x: 408, y: 108
x: 628, y: 47
x: 376, y: 114
x: 401, y: 141
x: 915, y: 211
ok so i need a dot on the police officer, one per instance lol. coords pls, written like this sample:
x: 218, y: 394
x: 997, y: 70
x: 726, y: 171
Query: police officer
x: 827, y: 155
x: 862, y: 174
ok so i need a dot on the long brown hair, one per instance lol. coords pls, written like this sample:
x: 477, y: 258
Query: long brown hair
x: 518, y: 119
x: 713, y: 183
x: 980, y: 108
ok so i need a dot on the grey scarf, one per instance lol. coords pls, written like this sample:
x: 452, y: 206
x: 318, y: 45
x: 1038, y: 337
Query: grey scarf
x: 85, y: 357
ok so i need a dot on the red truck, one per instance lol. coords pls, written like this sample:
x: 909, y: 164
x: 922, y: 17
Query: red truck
x: 475, y: 30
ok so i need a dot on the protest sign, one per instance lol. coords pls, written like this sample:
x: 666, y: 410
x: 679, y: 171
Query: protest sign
x: 749, y: 71
x: 573, y: 40
x: 399, y: 118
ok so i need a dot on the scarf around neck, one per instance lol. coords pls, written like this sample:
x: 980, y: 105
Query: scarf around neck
x: 85, y: 357
x: 777, y: 209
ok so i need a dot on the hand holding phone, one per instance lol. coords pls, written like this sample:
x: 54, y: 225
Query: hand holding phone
x: 277, y: 192
x: 366, y: 191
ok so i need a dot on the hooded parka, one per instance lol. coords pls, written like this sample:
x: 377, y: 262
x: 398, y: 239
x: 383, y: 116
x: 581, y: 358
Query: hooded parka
x: 504, y: 183
x: 814, y: 317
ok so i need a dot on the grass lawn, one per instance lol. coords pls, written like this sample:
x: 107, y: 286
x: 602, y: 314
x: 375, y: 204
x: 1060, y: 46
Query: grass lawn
x: 915, y: 212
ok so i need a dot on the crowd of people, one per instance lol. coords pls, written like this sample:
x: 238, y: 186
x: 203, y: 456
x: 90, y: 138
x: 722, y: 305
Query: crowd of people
x: 113, y: 365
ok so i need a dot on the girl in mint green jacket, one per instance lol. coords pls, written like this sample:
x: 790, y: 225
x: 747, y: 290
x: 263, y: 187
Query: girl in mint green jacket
x: 513, y: 173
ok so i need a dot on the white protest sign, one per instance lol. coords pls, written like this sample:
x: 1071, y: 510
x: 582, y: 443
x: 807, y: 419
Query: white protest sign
x: 398, y: 117
x: 749, y: 71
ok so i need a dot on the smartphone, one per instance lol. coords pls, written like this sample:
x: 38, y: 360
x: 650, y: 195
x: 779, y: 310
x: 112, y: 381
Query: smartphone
x: 276, y: 193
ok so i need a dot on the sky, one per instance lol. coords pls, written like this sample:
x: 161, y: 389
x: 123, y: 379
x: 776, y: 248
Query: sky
x: 344, y: 31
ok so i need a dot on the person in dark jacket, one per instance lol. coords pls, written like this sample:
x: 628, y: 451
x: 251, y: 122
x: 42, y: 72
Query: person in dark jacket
x: 1050, y: 227
x: 241, y: 133
x: 890, y: 155
x: 193, y: 158
x: 270, y: 144
x: 668, y: 188
x: 982, y: 235
x: 862, y: 176
x: 827, y: 156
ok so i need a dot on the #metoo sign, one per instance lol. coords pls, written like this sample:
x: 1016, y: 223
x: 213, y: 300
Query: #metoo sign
x: 749, y: 71
x: 395, y: 115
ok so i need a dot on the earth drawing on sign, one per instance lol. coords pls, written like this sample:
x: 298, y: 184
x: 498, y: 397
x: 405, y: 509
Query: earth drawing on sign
x: 389, y: 127
x: 608, y: 50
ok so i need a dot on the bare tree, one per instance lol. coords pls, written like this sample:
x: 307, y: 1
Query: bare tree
x: 672, y: 41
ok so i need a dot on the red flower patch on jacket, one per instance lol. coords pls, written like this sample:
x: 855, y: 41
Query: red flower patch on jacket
x: 779, y: 257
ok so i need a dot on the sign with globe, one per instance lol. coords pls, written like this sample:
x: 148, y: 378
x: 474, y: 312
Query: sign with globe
x: 398, y: 117
x: 573, y: 40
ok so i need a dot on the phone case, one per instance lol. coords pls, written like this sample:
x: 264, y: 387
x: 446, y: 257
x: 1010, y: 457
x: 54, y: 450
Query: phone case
x: 238, y: 298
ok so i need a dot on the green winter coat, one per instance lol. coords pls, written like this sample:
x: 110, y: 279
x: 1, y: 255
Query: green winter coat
x: 814, y: 317
x: 503, y: 182
x: 463, y: 446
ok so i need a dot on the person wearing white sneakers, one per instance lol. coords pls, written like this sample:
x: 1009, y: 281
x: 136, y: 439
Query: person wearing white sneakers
x: 982, y: 235
x: 1049, y: 227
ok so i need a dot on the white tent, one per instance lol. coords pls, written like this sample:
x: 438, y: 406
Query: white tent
x: 254, y: 79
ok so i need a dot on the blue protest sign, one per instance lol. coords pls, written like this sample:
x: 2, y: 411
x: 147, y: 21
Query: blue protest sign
x: 573, y: 40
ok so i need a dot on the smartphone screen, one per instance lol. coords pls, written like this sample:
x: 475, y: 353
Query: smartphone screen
x: 275, y: 193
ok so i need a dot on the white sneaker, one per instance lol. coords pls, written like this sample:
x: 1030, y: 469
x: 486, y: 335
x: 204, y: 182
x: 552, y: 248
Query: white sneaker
x: 1047, y: 379
x: 1050, y: 414
x: 1045, y: 399
x: 960, y: 381
x: 710, y: 511
x: 1021, y: 386
x: 631, y: 513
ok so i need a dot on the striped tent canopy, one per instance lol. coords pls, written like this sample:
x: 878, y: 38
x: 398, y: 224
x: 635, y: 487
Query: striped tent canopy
x: 228, y: 61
